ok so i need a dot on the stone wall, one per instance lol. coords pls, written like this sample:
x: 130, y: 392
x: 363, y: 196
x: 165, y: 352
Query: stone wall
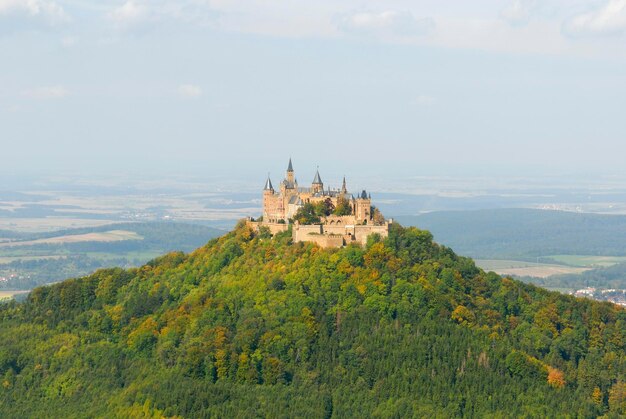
x: 273, y: 227
x: 326, y: 235
x: 329, y: 235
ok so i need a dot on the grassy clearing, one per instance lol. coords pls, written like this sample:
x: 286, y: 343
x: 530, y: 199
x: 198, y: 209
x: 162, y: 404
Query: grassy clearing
x: 520, y: 268
x: 588, y: 261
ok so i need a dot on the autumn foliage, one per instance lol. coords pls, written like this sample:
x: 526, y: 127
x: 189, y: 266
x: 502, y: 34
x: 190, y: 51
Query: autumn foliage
x: 250, y: 326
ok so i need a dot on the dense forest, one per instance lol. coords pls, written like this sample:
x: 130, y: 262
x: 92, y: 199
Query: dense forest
x: 525, y: 233
x: 254, y: 326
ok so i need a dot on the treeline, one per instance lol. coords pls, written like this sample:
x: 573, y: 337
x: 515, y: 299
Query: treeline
x: 606, y: 278
x: 250, y: 326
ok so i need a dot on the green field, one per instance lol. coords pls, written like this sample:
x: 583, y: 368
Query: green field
x: 588, y: 260
x: 494, y: 264
x: 521, y: 268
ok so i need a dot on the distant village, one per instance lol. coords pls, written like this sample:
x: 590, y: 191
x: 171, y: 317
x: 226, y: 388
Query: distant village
x: 615, y: 296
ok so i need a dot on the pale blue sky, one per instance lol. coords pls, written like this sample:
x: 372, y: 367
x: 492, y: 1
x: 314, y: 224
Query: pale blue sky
x: 413, y: 86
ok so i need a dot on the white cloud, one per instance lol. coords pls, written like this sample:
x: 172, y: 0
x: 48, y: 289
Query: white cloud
x: 610, y: 19
x: 134, y: 12
x: 388, y: 21
x: 189, y: 90
x: 48, y: 10
x: 129, y: 12
x: 518, y: 12
x: 46, y: 92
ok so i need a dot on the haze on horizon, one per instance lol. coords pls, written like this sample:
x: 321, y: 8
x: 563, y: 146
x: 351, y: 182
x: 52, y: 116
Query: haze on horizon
x: 397, y: 87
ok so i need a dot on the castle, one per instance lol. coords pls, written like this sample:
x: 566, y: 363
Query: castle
x: 328, y: 217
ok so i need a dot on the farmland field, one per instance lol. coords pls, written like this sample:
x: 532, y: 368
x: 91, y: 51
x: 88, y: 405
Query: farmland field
x: 9, y: 259
x: 7, y: 295
x: 588, y: 261
x: 520, y: 268
x: 31, y: 259
x: 105, y: 236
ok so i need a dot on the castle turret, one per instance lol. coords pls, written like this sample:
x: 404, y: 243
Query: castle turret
x: 317, y: 185
x: 344, y: 189
x: 268, y: 186
x: 270, y: 201
x: 290, y: 174
x: 363, y: 208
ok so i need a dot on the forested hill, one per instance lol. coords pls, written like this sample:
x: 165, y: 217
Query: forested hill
x: 525, y: 233
x: 251, y: 326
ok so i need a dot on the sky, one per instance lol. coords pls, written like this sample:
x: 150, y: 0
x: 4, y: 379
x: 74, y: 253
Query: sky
x: 384, y: 87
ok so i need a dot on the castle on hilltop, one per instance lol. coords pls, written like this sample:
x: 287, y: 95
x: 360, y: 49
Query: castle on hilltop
x: 328, y: 217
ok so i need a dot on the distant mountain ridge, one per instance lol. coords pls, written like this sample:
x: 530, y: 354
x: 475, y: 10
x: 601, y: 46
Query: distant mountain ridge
x: 250, y: 326
x: 524, y: 233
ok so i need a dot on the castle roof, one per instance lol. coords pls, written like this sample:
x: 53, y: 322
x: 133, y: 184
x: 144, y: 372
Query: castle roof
x: 295, y: 200
x: 289, y: 185
x: 268, y: 185
x: 290, y: 167
x: 317, y: 180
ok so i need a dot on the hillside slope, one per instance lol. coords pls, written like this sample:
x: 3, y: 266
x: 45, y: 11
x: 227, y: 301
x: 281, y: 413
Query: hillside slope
x: 251, y: 326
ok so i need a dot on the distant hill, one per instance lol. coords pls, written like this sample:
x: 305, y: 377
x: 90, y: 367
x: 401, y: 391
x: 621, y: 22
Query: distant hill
x: 250, y: 326
x: 524, y: 233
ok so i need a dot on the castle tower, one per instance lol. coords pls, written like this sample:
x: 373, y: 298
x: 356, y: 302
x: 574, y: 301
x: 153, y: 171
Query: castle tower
x: 344, y: 189
x: 363, y: 207
x: 290, y: 174
x: 268, y: 199
x: 317, y: 185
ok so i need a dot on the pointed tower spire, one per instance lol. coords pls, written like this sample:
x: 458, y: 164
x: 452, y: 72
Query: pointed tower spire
x: 290, y: 178
x: 317, y: 185
x: 268, y: 184
x: 317, y: 180
x: 344, y: 189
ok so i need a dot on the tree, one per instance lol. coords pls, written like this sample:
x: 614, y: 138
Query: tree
x: 556, y: 378
x: 324, y: 208
x: 617, y: 398
x: 343, y: 207
x: 306, y: 214
x: 377, y: 216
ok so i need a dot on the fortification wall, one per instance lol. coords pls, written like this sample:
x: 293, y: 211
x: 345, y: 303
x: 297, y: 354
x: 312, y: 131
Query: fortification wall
x: 304, y: 232
x: 273, y: 227
x: 361, y: 232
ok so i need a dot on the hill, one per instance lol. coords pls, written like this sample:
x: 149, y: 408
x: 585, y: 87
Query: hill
x: 525, y: 233
x: 251, y: 326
